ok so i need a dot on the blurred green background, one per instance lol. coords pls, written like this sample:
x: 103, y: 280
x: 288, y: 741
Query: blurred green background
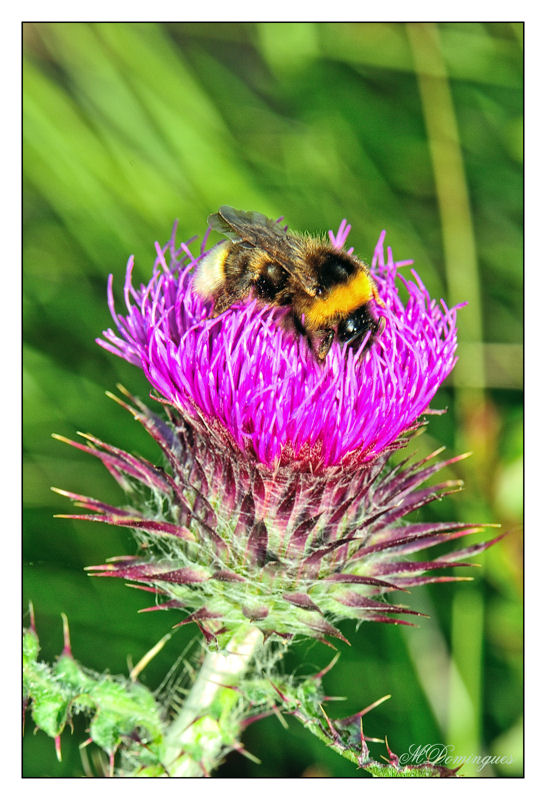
x: 416, y: 128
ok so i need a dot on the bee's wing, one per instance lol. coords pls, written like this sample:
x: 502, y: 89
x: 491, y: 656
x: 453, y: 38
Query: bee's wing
x: 256, y: 230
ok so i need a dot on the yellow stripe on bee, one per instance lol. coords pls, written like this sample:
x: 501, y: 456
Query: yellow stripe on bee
x: 341, y: 300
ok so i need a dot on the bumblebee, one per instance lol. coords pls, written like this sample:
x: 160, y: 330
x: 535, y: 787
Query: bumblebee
x: 329, y: 292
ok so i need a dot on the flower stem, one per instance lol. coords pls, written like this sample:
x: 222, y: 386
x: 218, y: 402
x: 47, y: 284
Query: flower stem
x: 208, y: 724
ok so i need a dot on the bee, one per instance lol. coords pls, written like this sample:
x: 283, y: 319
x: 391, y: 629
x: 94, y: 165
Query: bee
x: 329, y: 292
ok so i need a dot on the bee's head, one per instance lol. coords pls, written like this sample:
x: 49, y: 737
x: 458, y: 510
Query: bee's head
x: 356, y: 325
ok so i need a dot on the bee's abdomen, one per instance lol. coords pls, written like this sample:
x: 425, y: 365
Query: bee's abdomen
x: 210, y: 273
x: 271, y: 281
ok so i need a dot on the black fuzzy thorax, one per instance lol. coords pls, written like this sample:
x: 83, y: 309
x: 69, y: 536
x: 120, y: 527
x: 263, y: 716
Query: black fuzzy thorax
x: 332, y: 267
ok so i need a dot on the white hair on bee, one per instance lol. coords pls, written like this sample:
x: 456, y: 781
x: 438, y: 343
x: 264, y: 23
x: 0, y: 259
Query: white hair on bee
x: 210, y: 275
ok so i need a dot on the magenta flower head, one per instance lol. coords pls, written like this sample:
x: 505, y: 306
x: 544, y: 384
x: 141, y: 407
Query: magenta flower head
x: 276, y: 505
x: 259, y: 382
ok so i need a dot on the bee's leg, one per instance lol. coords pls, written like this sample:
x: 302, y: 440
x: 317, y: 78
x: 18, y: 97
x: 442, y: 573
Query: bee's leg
x: 298, y: 324
x: 222, y: 302
x: 325, y: 344
x: 230, y: 295
x: 376, y: 297
x: 321, y: 343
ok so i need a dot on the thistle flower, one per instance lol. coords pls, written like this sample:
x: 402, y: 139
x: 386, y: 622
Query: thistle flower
x: 262, y: 384
x: 277, y: 506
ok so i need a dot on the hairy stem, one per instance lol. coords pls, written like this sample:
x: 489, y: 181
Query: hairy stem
x: 208, y: 723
